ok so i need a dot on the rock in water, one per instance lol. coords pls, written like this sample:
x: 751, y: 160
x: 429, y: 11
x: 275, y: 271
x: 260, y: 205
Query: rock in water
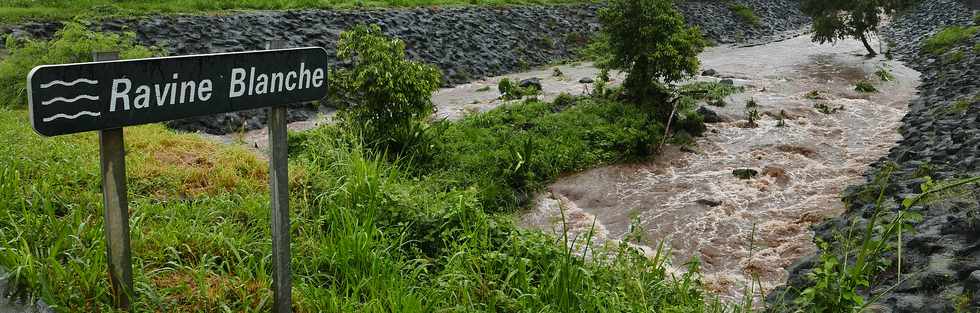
x: 709, y: 116
x: 586, y: 80
x: 745, y: 173
x: 532, y: 82
x: 727, y: 82
x: 709, y: 72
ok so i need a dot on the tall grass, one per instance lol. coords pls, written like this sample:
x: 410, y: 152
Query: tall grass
x: 369, y: 234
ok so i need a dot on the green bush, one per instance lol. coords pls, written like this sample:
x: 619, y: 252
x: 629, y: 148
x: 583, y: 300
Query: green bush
x: 745, y: 13
x: 865, y: 86
x: 392, y: 94
x: 649, y: 40
x: 72, y: 44
x: 948, y: 37
x: 519, y: 148
x: 511, y: 91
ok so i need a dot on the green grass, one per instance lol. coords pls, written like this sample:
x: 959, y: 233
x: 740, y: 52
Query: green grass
x: 949, y: 37
x: 368, y: 235
x: 20, y: 10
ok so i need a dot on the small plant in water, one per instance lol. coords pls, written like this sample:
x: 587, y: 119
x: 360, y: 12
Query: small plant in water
x: 814, y: 95
x: 782, y: 119
x: 751, y: 103
x: 884, y: 74
x: 826, y: 109
x: 865, y: 86
x: 753, y: 115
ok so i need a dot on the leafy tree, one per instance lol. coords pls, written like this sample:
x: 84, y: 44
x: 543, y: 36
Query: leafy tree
x: 392, y: 94
x: 649, y: 40
x: 839, y: 19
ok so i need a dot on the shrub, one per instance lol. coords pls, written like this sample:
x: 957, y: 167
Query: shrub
x: 392, y: 94
x: 948, y: 37
x: 649, y: 40
x: 511, y: 91
x: 72, y: 44
x: 865, y: 86
x: 745, y: 13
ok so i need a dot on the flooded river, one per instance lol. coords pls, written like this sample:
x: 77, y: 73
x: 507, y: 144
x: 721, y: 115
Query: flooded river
x: 760, y: 226
x: 690, y: 200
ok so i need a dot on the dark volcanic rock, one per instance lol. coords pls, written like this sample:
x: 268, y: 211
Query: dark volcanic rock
x: 941, y: 139
x: 709, y: 116
x: 533, y: 83
x: 466, y: 43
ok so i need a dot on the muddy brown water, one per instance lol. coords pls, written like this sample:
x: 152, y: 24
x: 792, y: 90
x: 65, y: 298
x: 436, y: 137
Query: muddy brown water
x: 739, y: 228
x: 691, y: 201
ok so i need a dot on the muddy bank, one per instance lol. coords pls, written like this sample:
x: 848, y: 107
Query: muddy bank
x: 941, y: 139
x: 738, y: 228
x: 466, y: 43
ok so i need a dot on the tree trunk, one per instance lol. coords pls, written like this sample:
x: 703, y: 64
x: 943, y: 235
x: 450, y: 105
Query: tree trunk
x: 871, y: 51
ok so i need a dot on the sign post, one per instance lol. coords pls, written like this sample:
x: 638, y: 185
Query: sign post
x: 110, y: 94
x: 112, y: 155
x: 279, y: 192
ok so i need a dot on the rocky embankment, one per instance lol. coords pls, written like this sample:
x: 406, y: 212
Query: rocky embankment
x: 466, y: 43
x: 941, y: 259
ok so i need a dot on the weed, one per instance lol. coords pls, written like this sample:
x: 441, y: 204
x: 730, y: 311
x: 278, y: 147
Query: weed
x: 884, y: 74
x: 942, y: 41
x: 709, y: 90
x: 826, y: 109
x: 511, y: 91
x: 745, y: 13
x: 751, y: 103
x: 781, y: 119
x: 865, y: 86
x: 753, y: 116
x: 556, y: 72
x: 814, y: 95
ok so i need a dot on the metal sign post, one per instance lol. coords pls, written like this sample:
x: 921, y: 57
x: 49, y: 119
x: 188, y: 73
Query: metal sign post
x: 110, y: 94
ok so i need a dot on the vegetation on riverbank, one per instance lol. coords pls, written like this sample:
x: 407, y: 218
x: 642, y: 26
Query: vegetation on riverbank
x: 21, y: 10
x: 374, y: 230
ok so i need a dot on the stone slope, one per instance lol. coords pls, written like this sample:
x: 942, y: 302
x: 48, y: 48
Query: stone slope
x: 466, y: 43
x: 942, y: 140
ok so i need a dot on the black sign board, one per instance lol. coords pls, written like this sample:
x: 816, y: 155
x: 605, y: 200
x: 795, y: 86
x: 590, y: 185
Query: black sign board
x: 74, y: 98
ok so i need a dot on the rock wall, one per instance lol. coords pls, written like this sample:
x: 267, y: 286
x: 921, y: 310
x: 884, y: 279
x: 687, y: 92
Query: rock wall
x: 941, y: 140
x: 466, y: 43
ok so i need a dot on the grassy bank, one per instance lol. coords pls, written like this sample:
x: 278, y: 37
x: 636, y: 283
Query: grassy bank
x: 369, y: 235
x: 20, y: 10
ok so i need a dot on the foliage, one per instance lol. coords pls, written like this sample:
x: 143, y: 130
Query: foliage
x: 948, y: 37
x: 650, y: 42
x: 369, y: 235
x: 392, y: 94
x: 745, y: 13
x: 865, y: 86
x: 19, y: 10
x: 521, y: 147
x: 884, y: 74
x: 848, y: 267
x: 834, y: 20
x: 827, y: 109
x: 72, y: 44
x: 512, y: 91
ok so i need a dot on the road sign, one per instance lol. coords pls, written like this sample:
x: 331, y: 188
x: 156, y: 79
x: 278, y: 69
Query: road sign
x: 109, y: 95
x: 74, y: 98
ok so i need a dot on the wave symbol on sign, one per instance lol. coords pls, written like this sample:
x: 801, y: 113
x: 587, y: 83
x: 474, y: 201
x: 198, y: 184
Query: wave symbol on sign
x: 70, y: 117
x: 72, y: 83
